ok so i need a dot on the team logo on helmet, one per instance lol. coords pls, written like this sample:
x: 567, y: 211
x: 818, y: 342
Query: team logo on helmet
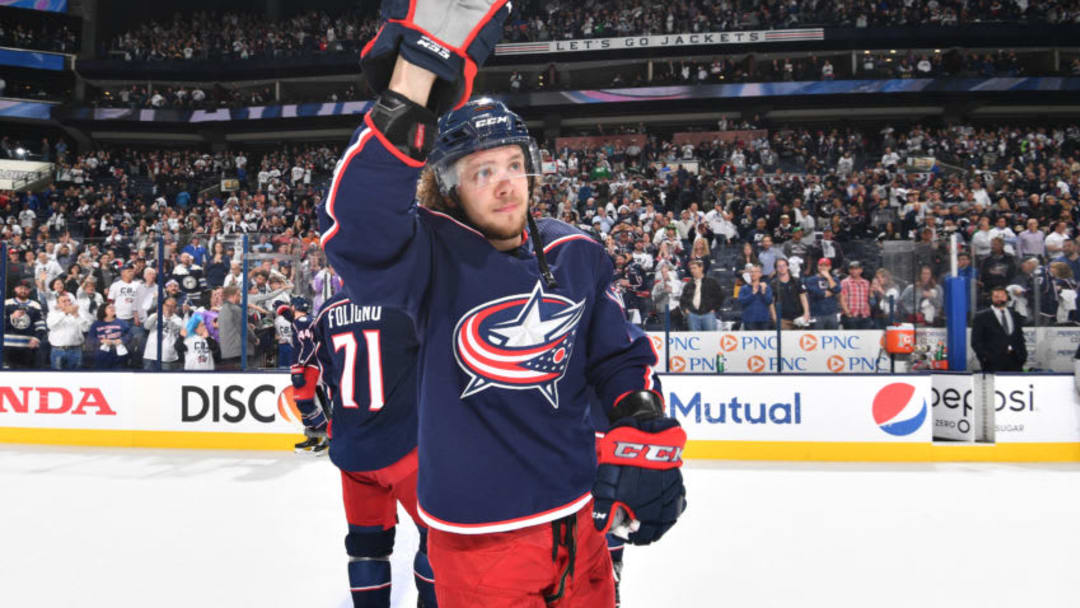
x: 519, y: 342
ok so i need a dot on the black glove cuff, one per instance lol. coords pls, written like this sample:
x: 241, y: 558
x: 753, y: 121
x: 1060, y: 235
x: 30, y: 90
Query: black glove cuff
x: 408, y: 126
x: 642, y: 405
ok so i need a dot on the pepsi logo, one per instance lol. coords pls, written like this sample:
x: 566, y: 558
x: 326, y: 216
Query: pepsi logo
x: 755, y: 364
x: 808, y: 342
x: 896, y: 410
x: 518, y: 342
x: 286, y: 405
x: 835, y: 364
x: 728, y: 343
x: 678, y: 364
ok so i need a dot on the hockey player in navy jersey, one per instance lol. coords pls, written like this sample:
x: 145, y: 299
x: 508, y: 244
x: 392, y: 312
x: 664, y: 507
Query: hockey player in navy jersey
x: 515, y: 322
x: 366, y: 358
x: 305, y: 376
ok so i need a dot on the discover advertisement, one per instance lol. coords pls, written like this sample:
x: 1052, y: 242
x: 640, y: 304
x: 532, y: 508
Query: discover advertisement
x: 208, y: 402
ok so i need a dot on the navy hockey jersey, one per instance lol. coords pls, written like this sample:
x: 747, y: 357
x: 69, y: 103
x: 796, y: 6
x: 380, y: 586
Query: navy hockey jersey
x: 303, y: 345
x: 505, y: 438
x: 367, y: 361
x: 19, y: 329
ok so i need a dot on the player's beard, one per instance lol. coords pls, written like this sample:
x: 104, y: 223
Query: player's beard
x: 501, y: 231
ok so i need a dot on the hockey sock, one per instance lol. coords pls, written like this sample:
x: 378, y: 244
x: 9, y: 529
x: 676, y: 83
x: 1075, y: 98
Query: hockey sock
x: 369, y: 551
x: 423, y: 574
x: 615, y: 547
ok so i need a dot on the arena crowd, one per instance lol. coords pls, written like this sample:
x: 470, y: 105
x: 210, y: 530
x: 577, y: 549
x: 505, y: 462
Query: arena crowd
x: 740, y: 230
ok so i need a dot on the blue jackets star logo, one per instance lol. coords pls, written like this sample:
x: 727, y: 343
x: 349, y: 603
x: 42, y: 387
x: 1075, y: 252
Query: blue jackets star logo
x: 519, y: 342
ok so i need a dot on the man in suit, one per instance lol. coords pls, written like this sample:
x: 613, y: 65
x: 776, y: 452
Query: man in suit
x: 997, y: 337
x: 700, y: 299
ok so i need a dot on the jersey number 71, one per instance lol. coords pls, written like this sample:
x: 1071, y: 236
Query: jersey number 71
x: 347, y: 341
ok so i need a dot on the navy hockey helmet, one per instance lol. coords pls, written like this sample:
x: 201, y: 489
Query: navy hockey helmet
x: 301, y: 304
x: 480, y: 124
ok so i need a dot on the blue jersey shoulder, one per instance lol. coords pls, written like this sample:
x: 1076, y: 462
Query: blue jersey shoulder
x: 555, y: 232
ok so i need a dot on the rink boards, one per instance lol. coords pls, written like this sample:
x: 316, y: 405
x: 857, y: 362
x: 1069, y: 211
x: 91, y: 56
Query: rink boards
x: 874, y: 417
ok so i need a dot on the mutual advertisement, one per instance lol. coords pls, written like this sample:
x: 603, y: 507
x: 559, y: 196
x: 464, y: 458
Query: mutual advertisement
x: 660, y: 41
x: 836, y: 352
x: 238, y: 403
x: 954, y: 403
x: 1030, y: 408
x: 811, y: 408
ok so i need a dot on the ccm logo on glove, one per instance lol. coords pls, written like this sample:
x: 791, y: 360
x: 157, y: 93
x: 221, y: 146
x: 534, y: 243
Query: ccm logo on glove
x: 652, y: 453
x: 628, y: 446
x: 434, y: 47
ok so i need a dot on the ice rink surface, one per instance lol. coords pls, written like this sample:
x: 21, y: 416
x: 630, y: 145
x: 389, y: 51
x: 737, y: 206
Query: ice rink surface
x: 135, y: 528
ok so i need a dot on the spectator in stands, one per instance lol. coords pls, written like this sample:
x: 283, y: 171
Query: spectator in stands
x: 47, y: 268
x: 701, y: 298
x: 1031, y: 242
x: 48, y: 294
x: 110, y: 336
x: 855, y: 298
x: 24, y: 328
x: 821, y: 291
x: 923, y: 302
x: 325, y: 284
x: 229, y: 328
x: 998, y: 269
x: 196, y: 251
x: 768, y: 256
x: 170, y: 333
x: 790, y: 298
x: 756, y: 299
x: 67, y: 329
x: 1070, y: 254
x: 191, y: 278
x: 199, y: 349
x: 700, y: 252
x: 666, y: 293
x: 218, y: 266
x: 980, y: 239
x: 1054, y: 242
x: 235, y: 278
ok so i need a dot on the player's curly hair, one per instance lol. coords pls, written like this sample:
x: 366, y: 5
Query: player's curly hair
x: 428, y: 195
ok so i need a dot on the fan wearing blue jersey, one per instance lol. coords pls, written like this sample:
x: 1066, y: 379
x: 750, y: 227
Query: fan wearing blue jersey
x: 515, y: 321
x: 366, y: 358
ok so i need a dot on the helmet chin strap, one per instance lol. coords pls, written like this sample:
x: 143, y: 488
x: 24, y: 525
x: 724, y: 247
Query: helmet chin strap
x: 538, y: 247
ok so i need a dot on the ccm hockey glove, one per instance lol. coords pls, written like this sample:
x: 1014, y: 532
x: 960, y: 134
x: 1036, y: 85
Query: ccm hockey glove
x: 638, y: 478
x: 451, y: 38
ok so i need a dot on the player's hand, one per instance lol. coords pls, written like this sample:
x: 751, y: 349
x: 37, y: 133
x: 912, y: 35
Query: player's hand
x: 638, y: 478
x: 450, y: 38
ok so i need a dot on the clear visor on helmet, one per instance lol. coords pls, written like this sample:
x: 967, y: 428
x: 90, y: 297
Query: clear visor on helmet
x: 485, y: 168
